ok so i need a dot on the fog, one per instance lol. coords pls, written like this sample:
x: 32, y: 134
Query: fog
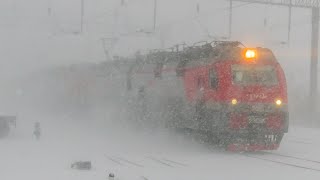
x: 54, y: 72
x: 44, y: 34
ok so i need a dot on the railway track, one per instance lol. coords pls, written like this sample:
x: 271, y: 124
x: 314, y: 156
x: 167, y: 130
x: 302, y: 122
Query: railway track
x: 281, y: 159
x: 160, y: 161
x: 287, y: 160
x: 123, y: 161
x: 294, y: 157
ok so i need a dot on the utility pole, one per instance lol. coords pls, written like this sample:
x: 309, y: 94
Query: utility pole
x: 155, y: 16
x: 198, y: 8
x: 230, y: 19
x: 49, y: 8
x: 81, y: 18
x: 314, y: 6
x: 314, y: 57
x: 289, y: 22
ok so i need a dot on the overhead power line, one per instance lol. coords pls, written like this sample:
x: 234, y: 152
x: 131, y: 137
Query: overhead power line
x: 212, y: 13
x: 287, y: 3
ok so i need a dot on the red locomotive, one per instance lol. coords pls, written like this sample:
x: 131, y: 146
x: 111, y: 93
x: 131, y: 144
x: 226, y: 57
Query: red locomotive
x: 236, y: 95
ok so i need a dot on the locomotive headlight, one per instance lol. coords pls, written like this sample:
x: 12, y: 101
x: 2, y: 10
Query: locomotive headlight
x: 250, y: 54
x: 278, y: 102
x: 234, y: 101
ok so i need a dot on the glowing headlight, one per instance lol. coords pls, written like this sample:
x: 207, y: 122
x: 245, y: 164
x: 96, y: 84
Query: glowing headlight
x: 250, y: 54
x: 234, y: 101
x: 278, y: 102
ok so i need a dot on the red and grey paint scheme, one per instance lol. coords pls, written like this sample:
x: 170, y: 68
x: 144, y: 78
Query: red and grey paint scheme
x: 241, y: 102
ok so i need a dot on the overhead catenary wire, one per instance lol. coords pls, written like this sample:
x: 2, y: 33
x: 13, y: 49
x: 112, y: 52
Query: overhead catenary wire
x: 216, y: 11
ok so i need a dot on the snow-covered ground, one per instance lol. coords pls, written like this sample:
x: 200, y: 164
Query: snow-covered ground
x: 157, y: 155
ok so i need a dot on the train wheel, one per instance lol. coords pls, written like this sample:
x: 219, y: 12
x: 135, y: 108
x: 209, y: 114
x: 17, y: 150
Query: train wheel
x: 213, y: 138
x: 222, y: 140
x: 279, y: 138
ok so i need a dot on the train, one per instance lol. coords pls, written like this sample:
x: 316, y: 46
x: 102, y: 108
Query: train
x: 234, y: 94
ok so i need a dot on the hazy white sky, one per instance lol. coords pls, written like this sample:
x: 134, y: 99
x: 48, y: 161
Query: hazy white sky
x: 32, y: 36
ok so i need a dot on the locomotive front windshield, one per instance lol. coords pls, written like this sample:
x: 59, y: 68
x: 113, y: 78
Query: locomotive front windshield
x: 254, y: 75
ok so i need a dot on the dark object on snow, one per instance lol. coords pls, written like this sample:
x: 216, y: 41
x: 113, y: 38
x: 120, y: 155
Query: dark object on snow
x: 37, y: 130
x: 111, y: 176
x: 81, y: 165
x: 5, y: 125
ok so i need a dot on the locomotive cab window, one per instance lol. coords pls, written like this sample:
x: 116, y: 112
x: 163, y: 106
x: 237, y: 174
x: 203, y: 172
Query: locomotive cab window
x: 213, y: 79
x: 254, y: 75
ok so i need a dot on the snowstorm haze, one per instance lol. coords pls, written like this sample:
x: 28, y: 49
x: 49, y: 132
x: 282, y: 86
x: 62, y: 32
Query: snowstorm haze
x: 38, y: 34
x: 52, y: 73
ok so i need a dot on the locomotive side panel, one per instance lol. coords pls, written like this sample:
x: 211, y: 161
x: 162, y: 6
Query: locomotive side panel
x: 163, y: 96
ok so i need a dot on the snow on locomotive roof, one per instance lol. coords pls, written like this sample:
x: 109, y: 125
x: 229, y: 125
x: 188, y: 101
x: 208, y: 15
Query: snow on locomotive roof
x: 199, y: 53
